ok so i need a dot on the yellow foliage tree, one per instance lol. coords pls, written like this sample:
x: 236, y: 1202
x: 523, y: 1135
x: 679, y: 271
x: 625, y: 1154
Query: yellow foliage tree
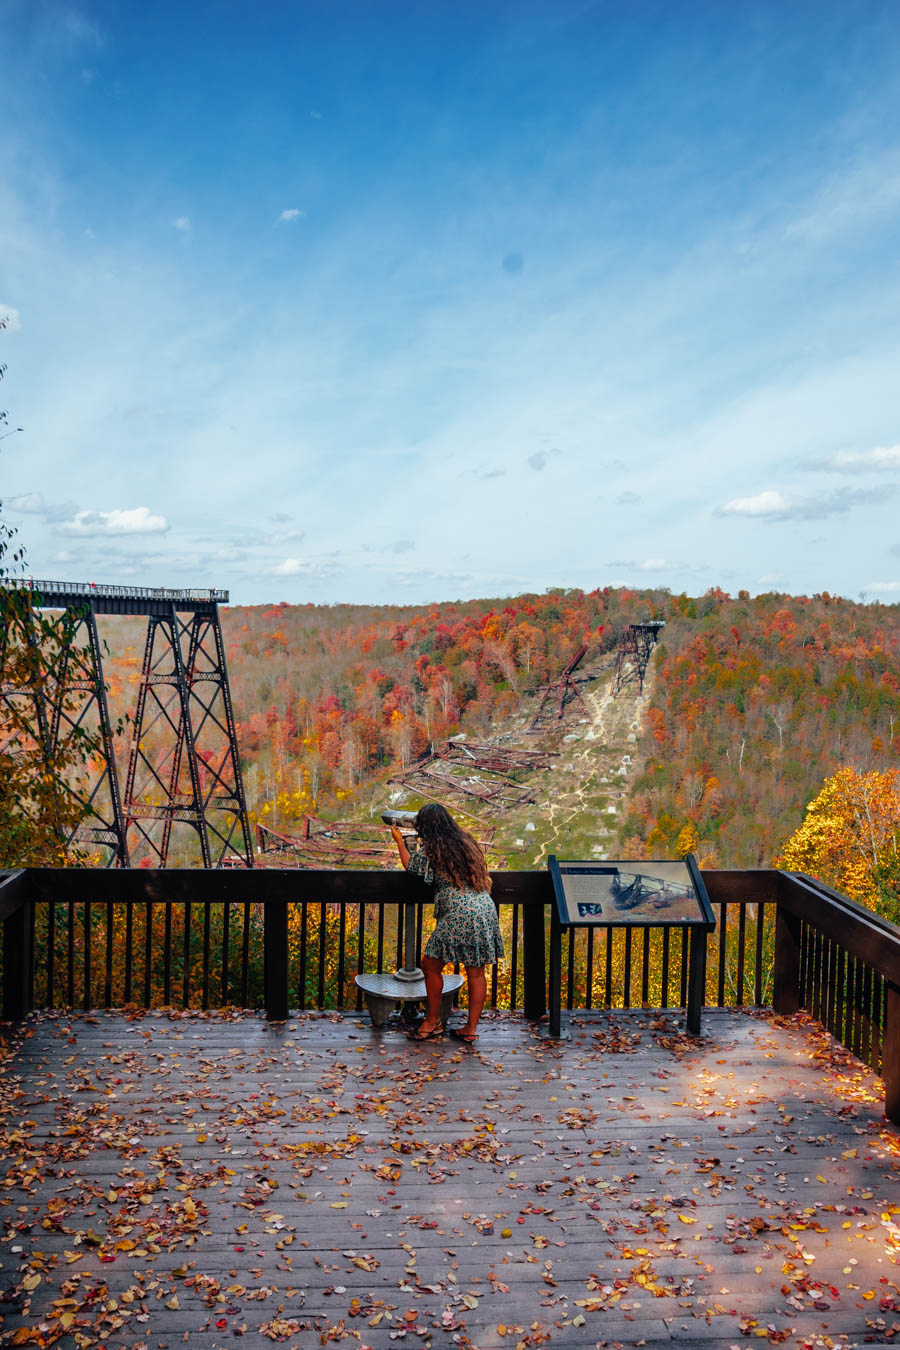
x: 688, y: 840
x: 850, y: 838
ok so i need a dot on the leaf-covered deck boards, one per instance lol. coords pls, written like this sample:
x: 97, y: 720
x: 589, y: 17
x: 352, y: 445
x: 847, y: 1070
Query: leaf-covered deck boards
x: 315, y: 1182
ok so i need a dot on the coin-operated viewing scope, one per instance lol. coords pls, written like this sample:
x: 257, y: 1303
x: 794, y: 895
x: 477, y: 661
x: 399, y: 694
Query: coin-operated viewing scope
x: 404, y: 820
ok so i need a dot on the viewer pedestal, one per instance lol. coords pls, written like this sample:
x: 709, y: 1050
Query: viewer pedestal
x: 384, y: 992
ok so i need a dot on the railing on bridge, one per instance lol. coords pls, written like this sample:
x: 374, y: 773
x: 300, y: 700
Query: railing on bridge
x: 93, y: 590
x: 277, y: 939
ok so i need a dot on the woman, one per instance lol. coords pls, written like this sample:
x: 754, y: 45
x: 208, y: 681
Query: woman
x: 467, y: 930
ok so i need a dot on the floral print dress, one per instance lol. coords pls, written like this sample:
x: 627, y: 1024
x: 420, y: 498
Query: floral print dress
x: 467, y: 929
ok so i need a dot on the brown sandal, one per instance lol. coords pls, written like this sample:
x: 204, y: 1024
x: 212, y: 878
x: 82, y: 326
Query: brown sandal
x: 435, y: 1034
x: 459, y: 1035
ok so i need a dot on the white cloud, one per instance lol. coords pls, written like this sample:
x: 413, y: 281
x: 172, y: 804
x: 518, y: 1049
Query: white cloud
x: 763, y: 504
x: 292, y: 213
x: 183, y: 223
x: 883, y: 586
x: 137, y: 520
x: 775, y: 505
x: 10, y: 318
x: 652, y: 565
x: 291, y: 567
x: 882, y: 458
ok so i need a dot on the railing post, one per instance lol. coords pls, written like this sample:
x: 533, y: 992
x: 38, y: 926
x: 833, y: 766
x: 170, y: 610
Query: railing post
x: 786, y: 973
x: 534, y: 975
x: 18, y: 954
x: 890, y: 1053
x: 696, y: 978
x: 275, y: 960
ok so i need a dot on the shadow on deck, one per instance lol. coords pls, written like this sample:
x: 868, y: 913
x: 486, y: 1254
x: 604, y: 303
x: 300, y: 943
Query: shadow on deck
x: 314, y: 1182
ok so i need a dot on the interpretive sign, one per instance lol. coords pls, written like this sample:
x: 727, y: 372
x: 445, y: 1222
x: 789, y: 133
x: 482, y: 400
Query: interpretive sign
x: 631, y: 893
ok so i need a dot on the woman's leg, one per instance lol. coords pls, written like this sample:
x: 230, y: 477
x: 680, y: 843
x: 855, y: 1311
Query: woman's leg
x: 432, y: 969
x: 477, y: 993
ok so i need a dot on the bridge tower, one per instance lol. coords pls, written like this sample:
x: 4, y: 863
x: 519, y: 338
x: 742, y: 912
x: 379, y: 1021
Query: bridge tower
x: 633, y: 654
x: 183, y: 766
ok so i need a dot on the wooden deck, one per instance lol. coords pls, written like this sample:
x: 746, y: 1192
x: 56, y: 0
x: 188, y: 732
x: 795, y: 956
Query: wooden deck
x: 316, y: 1182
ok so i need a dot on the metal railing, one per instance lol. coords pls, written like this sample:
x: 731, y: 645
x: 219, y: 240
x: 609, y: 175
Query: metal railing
x: 91, y: 590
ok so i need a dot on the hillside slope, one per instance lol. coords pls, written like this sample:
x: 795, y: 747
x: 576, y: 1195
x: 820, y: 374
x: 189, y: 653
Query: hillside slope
x: 579, y: 798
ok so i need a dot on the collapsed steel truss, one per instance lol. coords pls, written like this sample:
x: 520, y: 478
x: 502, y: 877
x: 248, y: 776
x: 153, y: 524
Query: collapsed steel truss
x: 633, y: 654
x: 325, y: 843
x: 483, y: 773
x: 559, y: 693
x: 183, y: 764
x: 506, y: 759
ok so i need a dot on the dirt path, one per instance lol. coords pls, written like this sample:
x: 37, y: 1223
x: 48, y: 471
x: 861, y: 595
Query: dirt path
x: 598, y: 761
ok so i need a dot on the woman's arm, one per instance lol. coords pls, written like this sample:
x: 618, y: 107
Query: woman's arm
x: 401, y: 845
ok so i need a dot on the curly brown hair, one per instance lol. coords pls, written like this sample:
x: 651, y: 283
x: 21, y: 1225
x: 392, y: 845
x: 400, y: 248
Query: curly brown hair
x: 451, y: 850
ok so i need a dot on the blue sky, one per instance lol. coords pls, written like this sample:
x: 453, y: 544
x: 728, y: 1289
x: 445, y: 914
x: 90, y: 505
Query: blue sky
x: 397, y: 302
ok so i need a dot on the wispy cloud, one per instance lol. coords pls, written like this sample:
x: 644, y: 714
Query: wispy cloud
x: 884, y: 586
x: 540, y: 459
x: 80, y: 29
x: 773, y: 504
x: 395, y: 352
x: 137, y: 520
x: 32, y: 503
x: 36, y: 504
x: 849, y: 200
x: 883, y: 459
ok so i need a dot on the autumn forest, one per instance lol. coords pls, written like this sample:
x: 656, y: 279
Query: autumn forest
x: 751, y: 704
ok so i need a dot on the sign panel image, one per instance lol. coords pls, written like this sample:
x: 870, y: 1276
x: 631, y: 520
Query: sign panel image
x: 629, y: 892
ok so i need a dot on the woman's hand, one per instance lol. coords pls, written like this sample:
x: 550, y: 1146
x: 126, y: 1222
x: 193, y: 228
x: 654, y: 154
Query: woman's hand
x: 398, y: 839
